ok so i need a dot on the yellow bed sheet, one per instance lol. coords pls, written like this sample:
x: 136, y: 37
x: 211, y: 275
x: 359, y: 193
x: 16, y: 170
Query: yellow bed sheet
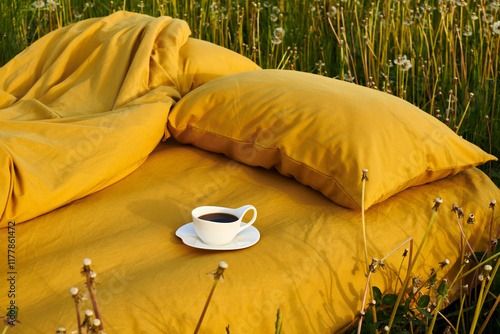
x: 309, y: 260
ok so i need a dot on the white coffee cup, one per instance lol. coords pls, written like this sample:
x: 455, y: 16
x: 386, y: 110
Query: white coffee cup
x: 212, y: 231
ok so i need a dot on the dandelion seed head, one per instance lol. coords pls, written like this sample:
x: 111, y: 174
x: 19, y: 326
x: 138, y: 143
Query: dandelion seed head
x: 495, y: 4
x: 273, y: 17
x: 467, y: 30
x: 38, y: 4
x: 496, y: 27
x: 276, y: 40
x: 266, y: 4
x: 348, y: 77
x: 279, y: 32
x: 333, y: 10
x: 400, y: 59
x: 407, y: 21
x: 406, y: 65
x: 461, y: 3
x: 474, y: 16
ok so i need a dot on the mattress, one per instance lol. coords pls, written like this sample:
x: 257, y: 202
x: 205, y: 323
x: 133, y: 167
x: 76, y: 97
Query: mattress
x: 309, y: 260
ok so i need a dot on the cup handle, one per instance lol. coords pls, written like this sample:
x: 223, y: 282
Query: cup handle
x: 242, y: 211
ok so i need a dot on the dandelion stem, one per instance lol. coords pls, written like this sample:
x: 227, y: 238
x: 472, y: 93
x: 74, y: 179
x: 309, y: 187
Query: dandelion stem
x: 218, y: 274
x: 408, y: 274
x: 483, y: 326
x: 78, y: 322
x: 462, y: 300
x: 364, y: 224
x: 438, y: 307
x: 206, y: 305
x: 479, y: 265
x: 478, y: 308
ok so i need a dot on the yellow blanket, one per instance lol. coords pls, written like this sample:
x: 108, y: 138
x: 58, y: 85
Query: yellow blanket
x: 84, y: 106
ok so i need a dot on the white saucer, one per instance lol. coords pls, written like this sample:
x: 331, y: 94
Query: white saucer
x: 246, y: 238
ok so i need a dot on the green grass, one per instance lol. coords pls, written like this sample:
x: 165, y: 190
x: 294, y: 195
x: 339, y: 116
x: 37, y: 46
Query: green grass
x: 452, y: 47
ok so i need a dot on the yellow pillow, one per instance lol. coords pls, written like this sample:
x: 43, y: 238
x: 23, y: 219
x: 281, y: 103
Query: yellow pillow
x: 322, y: 132
x: 201, y: 61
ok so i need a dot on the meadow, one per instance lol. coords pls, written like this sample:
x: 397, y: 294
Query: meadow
x: 442, y: 56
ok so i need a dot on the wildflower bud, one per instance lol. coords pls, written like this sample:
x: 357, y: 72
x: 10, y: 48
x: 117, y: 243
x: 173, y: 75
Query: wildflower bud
x: 405, y: 253
x: 487, y: 268
x: 386, y: 328
x: 87, y: 262
x: 96, y: 322
x: 373, y: 265
x: 362, y: 312
x: 492, y: 204
x: 73, y: 291
x: 444, y: 263
x: 454, y: 207
x: 438, y: 201
x: 61, y: 330
x: 92, y: 274
x: 471, y: 95
x: 460, y: 212
x: 486, y: 118
x: 480, y: 277
x: 364, y: 177
x: 89, y: 313
x: 443, y: 288
x: 471, y: 219
x: 223, y: 265
x: 465, y: 288
x: 374, y: 302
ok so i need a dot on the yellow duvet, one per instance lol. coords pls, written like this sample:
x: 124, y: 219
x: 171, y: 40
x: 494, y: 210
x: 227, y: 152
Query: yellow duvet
x: 84, y: 174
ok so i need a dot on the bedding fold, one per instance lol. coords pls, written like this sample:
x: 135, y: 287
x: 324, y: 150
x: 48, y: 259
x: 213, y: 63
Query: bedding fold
x: 85, y: 105
x: 78, y: 111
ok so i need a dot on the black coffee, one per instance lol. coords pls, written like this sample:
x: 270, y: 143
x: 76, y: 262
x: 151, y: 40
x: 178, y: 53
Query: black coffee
x: 219, y: 217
